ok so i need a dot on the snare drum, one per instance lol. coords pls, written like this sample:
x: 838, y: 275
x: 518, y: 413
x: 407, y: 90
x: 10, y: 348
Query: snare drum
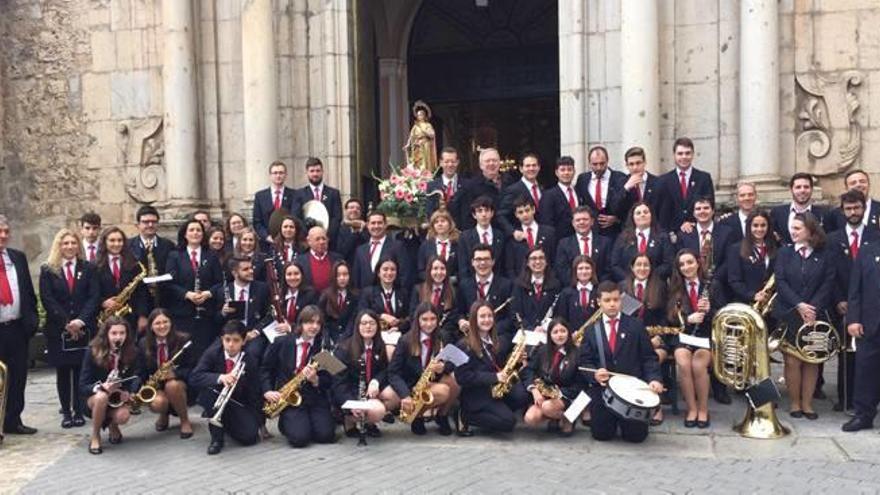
x: 630, y: 398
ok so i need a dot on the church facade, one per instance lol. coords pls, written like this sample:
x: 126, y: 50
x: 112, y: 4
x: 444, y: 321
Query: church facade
x: 106, y: 105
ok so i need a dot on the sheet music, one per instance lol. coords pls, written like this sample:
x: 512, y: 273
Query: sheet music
x: 535, y: 338
x: 158, y: 278
x: 271, y: 331
x: 577, y: 407
x: 358, y: 405
x: 452, y: 354
x: 701, y: 342
x: 629, y: 304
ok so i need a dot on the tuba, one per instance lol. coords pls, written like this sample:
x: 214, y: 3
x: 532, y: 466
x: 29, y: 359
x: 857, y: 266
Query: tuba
x: 4, y: 393
x: 740, y: 357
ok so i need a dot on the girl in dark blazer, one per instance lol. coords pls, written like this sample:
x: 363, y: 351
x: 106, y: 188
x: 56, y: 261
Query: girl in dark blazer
x: 440, y: 242
x: 295, y: 295
x: 249, y: 247
x: 487, y: 356
x: 535, y: 290
x: 389, y: 300
x: 804, y: 277
x: 414, y: 354
x: 194, y: 270
x: 437, y: 290
x: 289, y: 355
x: 577, y: 302
x: 364, y: 346
x: 160, y: 344
x: 287, y: 244
x: 217, y: 245
x: 750, y: 262
x: 688, y: 302
x: 642, y: 235
x: 111, y: 352
x: 116, y: 269
x: 69, y: 293
x: 339, y: 303
x: 235, y: 224
x: 555, y: 365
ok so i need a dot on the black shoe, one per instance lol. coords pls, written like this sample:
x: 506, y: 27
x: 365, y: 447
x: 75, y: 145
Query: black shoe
x: 418, y: 427
x: 796, y: 414
x: 215, y: 448
x: 703, y: 424
x: 20, y: 430
x: 819, y: 394
x: 116, y: 440
x: 134, y: 410
x: 352, y: 433
x: 185, y: 435
x: 461, y: 427
x: 690, y: 423
x: 837, y: 407
x: 857, y: 424
x: 721, y: 396
x: 95, y: 450
x: 67, y: 422
x: 552, y: 426
x: 812, y: 416
x: 373, y: 431
x: 443, y: 427
x: 78, y: 420
x: 389, y: 418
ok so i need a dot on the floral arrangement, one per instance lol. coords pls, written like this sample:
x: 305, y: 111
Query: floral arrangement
x: 403, y: 195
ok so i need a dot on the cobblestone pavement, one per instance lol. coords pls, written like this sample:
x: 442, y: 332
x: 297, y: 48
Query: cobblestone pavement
x: 816, y: 457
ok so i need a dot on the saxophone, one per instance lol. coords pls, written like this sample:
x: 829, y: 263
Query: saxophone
x: 123, y: 299
x: 149, y: 389
x: 548, y: 390
x: 290, y: 395
x: 578, y: 336
x: 511, y: 367
x: 152, y: 271
x: 422, y: 398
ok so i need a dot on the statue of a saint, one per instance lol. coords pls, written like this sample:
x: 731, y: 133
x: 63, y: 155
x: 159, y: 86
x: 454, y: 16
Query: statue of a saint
x: 420, y: 149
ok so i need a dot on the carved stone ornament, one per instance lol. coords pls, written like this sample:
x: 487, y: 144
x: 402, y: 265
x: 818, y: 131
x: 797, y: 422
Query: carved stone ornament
x: 142, y: 151
x: 829, y: 138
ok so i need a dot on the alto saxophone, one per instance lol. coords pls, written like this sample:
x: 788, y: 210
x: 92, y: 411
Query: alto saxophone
x: 123, y: 298
x: 421, y: 395
x: 548, y: 390
x: 290, y: 394
x: 150, y: 388
x: 578, y: 336
x: 511, y: 368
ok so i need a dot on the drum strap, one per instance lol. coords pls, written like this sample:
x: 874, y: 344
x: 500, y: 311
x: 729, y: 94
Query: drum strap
x: 599, y: 344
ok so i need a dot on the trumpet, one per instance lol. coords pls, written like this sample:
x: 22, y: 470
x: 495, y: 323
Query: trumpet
x: 226, y: 394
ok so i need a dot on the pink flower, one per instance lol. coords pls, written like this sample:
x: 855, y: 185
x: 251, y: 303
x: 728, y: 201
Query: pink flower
x: 394, y: 179
x: 423, y: 186
x: 399, y: 194
x: 408, y: 197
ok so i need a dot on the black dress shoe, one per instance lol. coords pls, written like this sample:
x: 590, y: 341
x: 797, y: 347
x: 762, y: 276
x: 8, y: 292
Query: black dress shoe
x: 78, y: 420
x: 443, y: 427
x: 690, y: 423
x: 67, y: 422
x: 352, y: 433
x: 796, y: 414
x: 389, y: 418
x: 857, y: 424
x: 373, y: 431
x: 186, y: 435
x: 721, y: 396
x: 95, y: 450
x: 215, y: 448
x: 116, y: 440
x: 461, y: 426
x: 418, y: 427
x: 812, y: 416
x: 20, y: 430
x: 703, y: 424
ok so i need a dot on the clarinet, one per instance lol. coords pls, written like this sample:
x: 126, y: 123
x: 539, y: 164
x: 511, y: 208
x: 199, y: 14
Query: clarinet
x: 197, y: 287
x: 362, y: 395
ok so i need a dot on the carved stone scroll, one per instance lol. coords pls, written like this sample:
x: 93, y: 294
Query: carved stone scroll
x: 143, y: 153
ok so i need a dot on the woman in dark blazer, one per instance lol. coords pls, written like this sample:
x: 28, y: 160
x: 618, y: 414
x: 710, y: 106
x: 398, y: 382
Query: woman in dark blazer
x: 804, y: 278
x: 441, y: 241
x: 642, y: 234
x: 437, y: 290
x: 535, y: 290
x: 750, y: 262
x: 553, y: 364
x: 389, y: 300
x: 69, y: 293
x: 339, y: 303
x: 577, y: 302
x: 116, y: 269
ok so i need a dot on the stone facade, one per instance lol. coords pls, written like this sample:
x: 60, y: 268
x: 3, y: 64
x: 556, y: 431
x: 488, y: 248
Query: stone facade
x: 109, y: 104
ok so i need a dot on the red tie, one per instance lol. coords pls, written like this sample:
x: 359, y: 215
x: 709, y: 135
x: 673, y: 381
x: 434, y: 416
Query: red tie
x: 277, y: 203
x: 163, y: 353
x: 554, y: 368
x: 538, y: 291
x: 585, y: 298
x: 92, y: 253
x: 762, y: 251
x: 530, y: 238
x: 368, y: 360
x: 436, y: 299
x: 340, y: 301
x: 854, y: 246
x: 693, y: 296
x: 485, y: 236
x: 535, y: 196
x: 638, y: 194
x: 116, y: 274
x: 70, y: 277
x: 448, y: 193
x: 387, y: 298
x: 586, y: 240
x: 229, y: 365
x: 443, y: 250
x: 427, y: 357
x: 241, y: 295
x: 643, y: 243
x: 291, y: 310
x: 683, y: 185
x: 571, y: 202
x: 304, y: 356
x: 598, y: 194
x: 317, y: 194
x: 5, y: 289
x: 612, y: 337
x: 640, y: 295
x: 481, y: 286
x: 373, y: 246
x: 803, y: 251
x: 194, y: 261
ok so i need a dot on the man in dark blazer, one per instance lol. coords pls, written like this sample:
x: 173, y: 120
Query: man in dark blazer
x: 559, y: 201
x: 602, y: 190
x: 746, y: 198
x: 617, y: 343
x: 274, y: 197
x: 248, y: 303
x: 147, y: 218
x: 599, y: 248
x: 485, y: 285
x: 801, y: 186
x: 90, y: 232
x: 18, y: 322
x: 317, y: 263
x: 680, y: 187
x: 863, y: 323
x: 858, y: 179
x: 641, y: 185
x: 352, y: 232
x: 707, y: 229
x: 380, y: 245
x: 447, y: 182
x: 528, y: 234
x: 486, y: 183
x: 526, y: 187
x: 483, y: 232
x: 318, y: 191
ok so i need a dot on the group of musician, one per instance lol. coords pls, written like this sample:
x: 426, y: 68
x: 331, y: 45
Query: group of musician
x: 499, y: 256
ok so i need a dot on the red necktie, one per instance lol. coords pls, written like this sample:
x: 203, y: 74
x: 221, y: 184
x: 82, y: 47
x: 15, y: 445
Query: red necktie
x: 163, y: 353
x: 340, y: 301
x: 6, y: 298
x: 427, y: 357
x: 304, y: 356
x: 640, y: 295
x: 586, y: 240
x: 554, y: 368
x: 317, y: 194
x: 92, y: 253
x: 585, y: 298
x: 693, y: 296
x: 571, y: 202
x: 612, y: 336
x: 373, y: 246
x: 598, y: 194
x: 485, y: 236
x: 116, y: 274
x: 387, y: 299
x: 538, y: 291
x: 443, y: 250
x: 448, y: 192
x: 194, y: 261
x: 638, y: 194
x: 854, y: 246
x: 803, y: 252
x: 762, y: 251
x: 535, y: 196
x: 241, y: 295
x: 683, y: 185
x: 481, y: 286
x: 368, y: 360
x: 229, y: 365
x: 277, y: 203
x: 530, y: 238
x: 70, y: 277
x: 291, y: 310
x: 435, y: 300
x: 643, y: 243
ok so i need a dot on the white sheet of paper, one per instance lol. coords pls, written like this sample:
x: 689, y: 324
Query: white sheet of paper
x: 535, y: 338
x: 452, y: 354
x: 390, y: 338
x: 701, y: 342
x: 854, y: 345
x: 358, y: 404
x: 270, y: 331
x: 158, y: 278
x: 577, y: 407
x: 629, y: 304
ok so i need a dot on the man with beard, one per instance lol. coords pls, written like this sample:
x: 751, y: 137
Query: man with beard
x: 318, y: 191
x: 801, y: 186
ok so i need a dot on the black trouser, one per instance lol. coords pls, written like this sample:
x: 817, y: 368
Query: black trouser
x: 240, y: 423
x: 310, y: 422
x: 866, y: 393
x: 846, y: 375
x: 14, y: 354
x: 67, y: 384
x: 203, y: 332
x: 498, y: 415
x: 604, y: 423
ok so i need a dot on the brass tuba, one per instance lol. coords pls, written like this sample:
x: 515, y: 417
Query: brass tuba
x: 740, y: 357
x: 4, y: 393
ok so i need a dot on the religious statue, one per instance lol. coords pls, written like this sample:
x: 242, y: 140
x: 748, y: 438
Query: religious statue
x: 420, y: 149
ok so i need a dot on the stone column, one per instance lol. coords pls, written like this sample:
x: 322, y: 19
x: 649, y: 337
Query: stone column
x: 759, y: 91
x: 640, y: 78
x: 259, y: 92
x: 180, y: 101
x: 393, y: 111
x: 573, y: 110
